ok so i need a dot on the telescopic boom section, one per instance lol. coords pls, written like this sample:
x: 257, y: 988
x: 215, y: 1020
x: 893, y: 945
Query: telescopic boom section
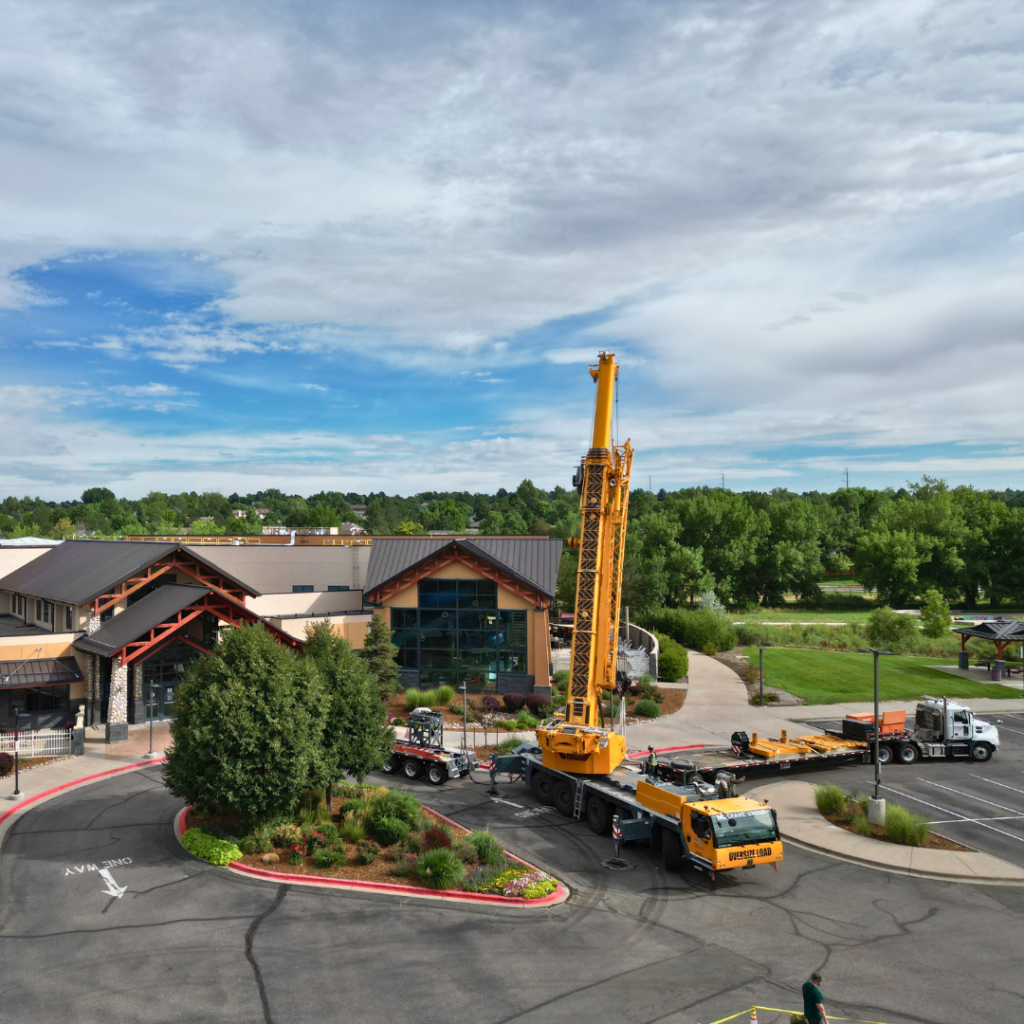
x: 581, y: 744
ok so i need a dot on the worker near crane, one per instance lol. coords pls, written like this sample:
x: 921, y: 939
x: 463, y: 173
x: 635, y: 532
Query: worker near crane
x: 814, y: 1008
x: 652, y: 762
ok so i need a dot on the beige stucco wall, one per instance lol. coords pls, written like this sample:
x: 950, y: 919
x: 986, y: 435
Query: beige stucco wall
x: 315, y: 604
x: 276, y: 568
x: 538, y: 636
x: 54, y: 645
x: 15, y: 558
x: 350, y: 627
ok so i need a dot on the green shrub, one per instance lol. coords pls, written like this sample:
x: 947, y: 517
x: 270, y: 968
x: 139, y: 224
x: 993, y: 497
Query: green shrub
x: 389, y: 830
x: 287, y: 835
x: 560, y: 679
x: 703, y: 629
x: 314, y: 839
x: 257, y: 842
x: 396, y: 805
x: 466, y: 852
x: 351, y: 830
x: 648, y: 691
x: 508, y: 746
x: 367, y: 852
x: 216, y: 851
x: 440, y: 869
x: 935, y: 617
x: 905, y: 827
x: 329, y: 858
x: 888, y: 629
x: 398, y: 721
x: 673, y: 661
x: 413, y: 699
x: 445, y: 695
x: 831, y: 800
x: 524, y: 720
x: 647, y: 709
x: 861, y: 825
x: 356, y: 806
x: 295, y: 855
x: 488, y: 850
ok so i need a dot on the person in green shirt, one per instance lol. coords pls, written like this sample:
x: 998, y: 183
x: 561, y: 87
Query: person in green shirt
x: 814, y: 1008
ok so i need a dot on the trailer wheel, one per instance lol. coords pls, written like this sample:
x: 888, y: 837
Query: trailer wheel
x: 563, y: 795
x: 981, y: 752
x: 391, y: 765
x: 411, y: 768
x: 599, y: 815
x: 908, y: 753
x: 671, y: 850
x: 884, y: 754
x: 542, y: 785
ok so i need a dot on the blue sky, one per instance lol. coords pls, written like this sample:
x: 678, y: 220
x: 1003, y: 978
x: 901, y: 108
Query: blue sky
x: 374, y: 248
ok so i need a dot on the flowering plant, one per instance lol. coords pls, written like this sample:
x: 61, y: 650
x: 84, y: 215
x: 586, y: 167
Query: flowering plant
x: 295, y: 855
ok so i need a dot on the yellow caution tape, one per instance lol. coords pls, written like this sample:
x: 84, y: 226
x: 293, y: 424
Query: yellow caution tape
x: 776, y: 1009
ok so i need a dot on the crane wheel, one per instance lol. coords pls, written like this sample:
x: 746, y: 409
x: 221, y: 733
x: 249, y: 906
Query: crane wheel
x: 599, y: 815
x: 671, y: 850
x: 411, y: 768
x: 563, y: 795
x: 542, y: 785
x: 908, y: 753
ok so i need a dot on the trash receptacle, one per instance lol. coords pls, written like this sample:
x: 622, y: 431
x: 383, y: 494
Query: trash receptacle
x: 998, y: 671
x: 963, y: 660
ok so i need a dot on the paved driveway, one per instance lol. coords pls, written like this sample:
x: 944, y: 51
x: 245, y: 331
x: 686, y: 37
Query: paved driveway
x: 189, y: 942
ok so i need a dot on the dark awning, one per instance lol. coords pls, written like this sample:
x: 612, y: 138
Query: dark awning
x: 39, y: 672
x: 1000, y: 630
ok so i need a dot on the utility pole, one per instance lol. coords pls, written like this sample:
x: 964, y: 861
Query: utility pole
x: 876, y: 805
x: 723, y: 481
x: 847, y: 472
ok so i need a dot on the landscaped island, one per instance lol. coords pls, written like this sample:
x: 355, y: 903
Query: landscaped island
x: 375, y: 835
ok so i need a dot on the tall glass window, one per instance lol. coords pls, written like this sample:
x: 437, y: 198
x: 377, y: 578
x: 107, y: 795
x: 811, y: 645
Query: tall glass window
x: 458, y: 635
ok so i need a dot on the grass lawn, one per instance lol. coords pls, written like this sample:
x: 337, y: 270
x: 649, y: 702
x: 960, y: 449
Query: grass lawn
x: 835, y: 677
x: 794, y: 615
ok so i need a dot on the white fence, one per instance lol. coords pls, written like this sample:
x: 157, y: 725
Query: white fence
x: 635, y: 661
x: 37, y: 742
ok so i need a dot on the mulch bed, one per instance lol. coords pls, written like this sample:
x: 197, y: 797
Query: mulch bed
x: 671, y: 700
x: 933, y: 842
x: 378, y: 871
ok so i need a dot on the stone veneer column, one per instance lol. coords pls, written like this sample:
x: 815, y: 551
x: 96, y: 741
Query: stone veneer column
x: 117, y: 710
x: 140, y: 708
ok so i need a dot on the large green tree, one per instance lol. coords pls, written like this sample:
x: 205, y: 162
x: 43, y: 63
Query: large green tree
x: 379, y: 655
x: 248, y: 736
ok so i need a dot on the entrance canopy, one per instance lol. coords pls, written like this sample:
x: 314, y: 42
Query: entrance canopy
x: 1002, y: 632
x: 161, y: 616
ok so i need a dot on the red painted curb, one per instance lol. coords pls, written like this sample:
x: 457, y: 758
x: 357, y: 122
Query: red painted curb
x: 390, y: 888
x: 77, y: 782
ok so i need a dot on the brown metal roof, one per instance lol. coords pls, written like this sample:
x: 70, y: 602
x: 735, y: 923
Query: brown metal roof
x: 79, y: 570
x: 531, y: 560
x: 138, y: 619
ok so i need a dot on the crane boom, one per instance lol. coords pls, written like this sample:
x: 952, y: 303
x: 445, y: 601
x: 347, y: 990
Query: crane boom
x: 581, y: 744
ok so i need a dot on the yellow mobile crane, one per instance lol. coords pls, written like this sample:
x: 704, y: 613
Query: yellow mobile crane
x: 580, y: 744
x: 690, y: 811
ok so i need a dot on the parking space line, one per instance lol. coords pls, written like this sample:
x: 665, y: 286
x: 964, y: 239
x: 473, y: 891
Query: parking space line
x: 960, y: 821
x: 1003, y: 725
x: 946, y: 810
x: 969, y: 796
x: 994, y: 783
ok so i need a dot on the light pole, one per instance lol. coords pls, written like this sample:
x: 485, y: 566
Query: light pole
x: 151, y: 708
x: 16, y: 795
x: 877, y: 804
x: 462, y: 690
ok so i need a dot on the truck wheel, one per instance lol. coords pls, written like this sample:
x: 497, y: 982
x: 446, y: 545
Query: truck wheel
x: 437, y: 775
x: 563, y: 795
x: 599, y: 815
x: 908, y: 753
x: 671, y: 850
x: 391, y: 765
x: 542, y: 785
x: 981, y: 752
x: 411, y: 768
x: 884, y: 754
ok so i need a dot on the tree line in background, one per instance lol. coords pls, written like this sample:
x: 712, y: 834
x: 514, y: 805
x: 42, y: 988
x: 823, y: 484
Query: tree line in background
x: 748, y: 549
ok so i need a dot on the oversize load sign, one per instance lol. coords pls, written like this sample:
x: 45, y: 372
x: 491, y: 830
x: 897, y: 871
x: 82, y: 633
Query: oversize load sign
x: 764, y: 851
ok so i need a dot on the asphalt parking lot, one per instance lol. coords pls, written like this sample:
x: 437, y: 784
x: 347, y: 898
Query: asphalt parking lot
x: 185, y: 941
x: 979, y: 805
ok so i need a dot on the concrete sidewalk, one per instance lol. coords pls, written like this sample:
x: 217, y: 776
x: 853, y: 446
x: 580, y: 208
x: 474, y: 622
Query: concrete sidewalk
x: 801, y: 822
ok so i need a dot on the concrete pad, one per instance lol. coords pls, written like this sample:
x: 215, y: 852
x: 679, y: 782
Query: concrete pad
x: 800, y: 821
